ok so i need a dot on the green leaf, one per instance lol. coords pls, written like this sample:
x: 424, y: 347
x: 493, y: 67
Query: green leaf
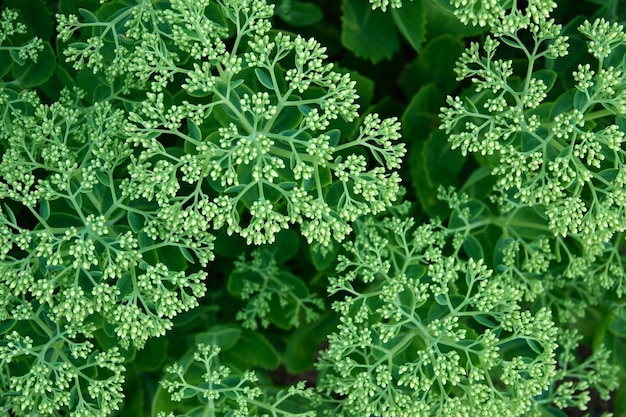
x: 36, y: 15
x: 554, y: 412
x: 297, y: 13
x: 618, y: 327
x: 484, y: 320
x: 194, y: 131
x: 6, y: 61
x: 369, y: 34
x: 434, y: 64
x: 473, y: 248
x: 288, y: 118
x: 223, y: 335
x: 441, y: 300
x: 72, y: 6
x: 364, y: 85
x: 135, y: 221
x: 10, y: 215
x: 410, y: 19
x: 87, y: 16
x: 264, y: 78
x: 547, y: 76
x: 534, y: 346
x: 441, y: 20
x: 170, y: 256
x: 152, y: 356
x: 563, y: 103
x: 6, y: 325
x: 323, y: 257
x: 15, y: 56
x: 162, y: 402
x: 286, y: 245
x: 44, y: 209
x: 421, y: 115
x: 103, y: 178
x: 186, y: 254
x: 33, y: 74
x: 433, y: 163
x: 253, y: 349
x: 304, y: 344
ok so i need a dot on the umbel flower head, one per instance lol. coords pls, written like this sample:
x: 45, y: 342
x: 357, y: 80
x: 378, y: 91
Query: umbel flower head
x: 425, y: 333
x: 257, y: 139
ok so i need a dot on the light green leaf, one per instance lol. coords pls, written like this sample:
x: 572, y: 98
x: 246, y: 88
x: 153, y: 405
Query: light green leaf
x: 264, y: 78
x: 186, y: 254
x: 194, y: 131
x: 10, y: 215
x: 44, y: 209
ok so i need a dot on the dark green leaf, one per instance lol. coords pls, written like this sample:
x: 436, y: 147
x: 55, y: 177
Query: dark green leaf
x: 253, y: 349
x: 333, y: 136
x: 441, y: 20
x: 473, y: 248
x: 618, y: 327
x: 87, y: 16
x: 415, y: 272
x: 288, y: 118
x: 33, y: 74
x: 153, y: 355
x: 410, y: 19
x: 434, y: 64
x: 580, y: 100
x: 441, y: 299
x: 547, y: 76
x: 144, y: 240
x: 286, y: 245
x: 563, y: 103
x: 223, y: 335
x: 135, y: 221
x: 15, y: 56
x: 369, y: 34
x: 484, y: 320
x: 554, y: 412
x: 6, y: 61
x: 6, y: 325
x: 36, y: 15
x: 170, y: 256
x: 297, y: 13
x: 323, y: 257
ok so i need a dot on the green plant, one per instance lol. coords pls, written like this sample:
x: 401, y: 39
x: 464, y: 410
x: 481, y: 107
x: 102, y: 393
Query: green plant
x: 202, y: 215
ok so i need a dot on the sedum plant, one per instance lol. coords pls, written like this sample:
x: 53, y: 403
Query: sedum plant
x: 205, y: 212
